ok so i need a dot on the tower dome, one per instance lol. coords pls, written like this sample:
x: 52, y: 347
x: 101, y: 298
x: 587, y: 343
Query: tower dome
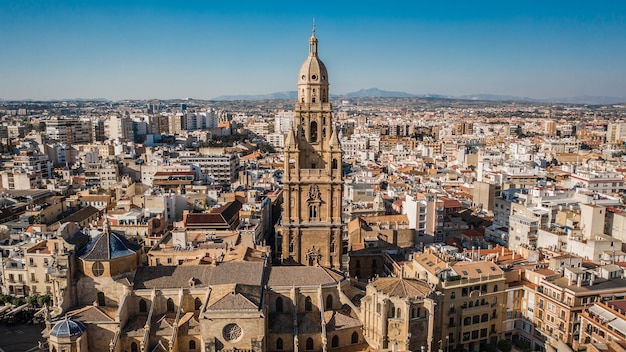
x: 67, y: 327
x: 313, y: 77
x: 313, y: 69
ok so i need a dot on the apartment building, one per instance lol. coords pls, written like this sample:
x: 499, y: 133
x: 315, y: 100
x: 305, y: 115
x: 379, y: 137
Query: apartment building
x: 473, y: 297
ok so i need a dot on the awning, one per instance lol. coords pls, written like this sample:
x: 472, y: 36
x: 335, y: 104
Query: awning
x: 618, y: 325
x: 603, y: 314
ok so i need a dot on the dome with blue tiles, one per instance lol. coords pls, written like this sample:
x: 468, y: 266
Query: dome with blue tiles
x: 67, y: 327
x: 108, y: 245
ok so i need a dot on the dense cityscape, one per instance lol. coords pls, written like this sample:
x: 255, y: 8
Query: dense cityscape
x: 314, y: 223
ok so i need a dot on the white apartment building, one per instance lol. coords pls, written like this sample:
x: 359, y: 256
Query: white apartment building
x: 598, y: 181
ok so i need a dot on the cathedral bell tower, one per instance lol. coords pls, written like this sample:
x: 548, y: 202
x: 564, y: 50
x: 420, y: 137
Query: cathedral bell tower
x: 310, y: 228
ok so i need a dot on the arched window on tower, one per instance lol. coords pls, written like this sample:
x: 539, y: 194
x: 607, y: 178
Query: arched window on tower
x: 134, y: 347
x: 170, y: 305
x: 143, y: 306
x: 313, y: 131
x: 197, y: 304
x: 335, y: 341
x: 308, y: 304
x: 355, y: 337
x: 309, y: 344
x: 279, y: 304
x: 279, y: 344
x: 329, y: 302
x: 334, y: 164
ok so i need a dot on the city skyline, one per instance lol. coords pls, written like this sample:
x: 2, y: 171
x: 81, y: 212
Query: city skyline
x: 162, y: 50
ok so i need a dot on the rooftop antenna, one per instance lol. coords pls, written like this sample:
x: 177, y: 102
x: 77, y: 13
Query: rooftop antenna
x: 313, y: 26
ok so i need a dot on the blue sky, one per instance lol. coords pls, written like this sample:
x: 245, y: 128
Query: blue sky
x: 204, y: 49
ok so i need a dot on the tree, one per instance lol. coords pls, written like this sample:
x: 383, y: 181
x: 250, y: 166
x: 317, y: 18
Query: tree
x: 44, y: 300
x: 5, y: 298
x: 32, y: 300
x: 18, y: 301
x: 505, y: 346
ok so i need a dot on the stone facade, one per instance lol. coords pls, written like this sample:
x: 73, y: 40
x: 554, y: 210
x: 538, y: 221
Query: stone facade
x: 310, y: 230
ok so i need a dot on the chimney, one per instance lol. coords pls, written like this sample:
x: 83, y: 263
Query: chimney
x: 478, y: 252
x: 593, y: 276
x: 579, y: 281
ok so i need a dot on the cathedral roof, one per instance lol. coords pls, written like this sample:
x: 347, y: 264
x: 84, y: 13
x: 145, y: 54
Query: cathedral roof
x: 67, y: 327
x: 159, y: 277
x: 401, y: 287
x: 303, y: 276
x: 107, y: 246
x: 234, y: 296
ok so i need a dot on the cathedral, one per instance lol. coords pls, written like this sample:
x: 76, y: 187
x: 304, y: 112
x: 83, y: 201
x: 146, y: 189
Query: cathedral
x: 311, y: 225
x: 107, y: 301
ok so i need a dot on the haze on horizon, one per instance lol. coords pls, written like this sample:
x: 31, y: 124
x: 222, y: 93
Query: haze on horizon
x: 165, y: 49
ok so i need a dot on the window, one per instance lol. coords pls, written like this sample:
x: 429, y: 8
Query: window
x: 143, y: 306
x: 398, y: 313
x: 335, y: 341
x: 197, y: 304
x: 467, y: 321
x: 309, y: 344
x: 170, y: 305
x: 329, y: 302
x: 133, y: 347
x: 374, y: 264
x: 313, y: 211
x: 101, y: 300
x: 279, y: 304
x: 355, y: 338
x: 476, y: 319
x: 97, y: 269
x: 484, y: 318
x: 314, y: 129
x: 308, y: 304
x: 453, y: 295
x: 279, y: 344
x: 334, y: 164
x: 495, y: 288
x: 192, y: 344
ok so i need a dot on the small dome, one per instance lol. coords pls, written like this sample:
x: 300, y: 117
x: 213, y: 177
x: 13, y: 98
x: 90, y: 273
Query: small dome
x: 313, y: 69
x: 67, y: 327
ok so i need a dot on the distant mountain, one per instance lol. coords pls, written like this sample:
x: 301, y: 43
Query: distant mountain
x: 493, y: 97
x: 289, y: 95
x: 377, y: 93
x: 586, y: 99
x: 589, y: 100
